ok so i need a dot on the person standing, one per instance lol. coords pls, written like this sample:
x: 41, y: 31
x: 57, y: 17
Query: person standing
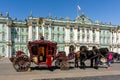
x: 109, y: 59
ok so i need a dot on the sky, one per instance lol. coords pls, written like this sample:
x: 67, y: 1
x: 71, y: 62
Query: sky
x: 105, y: 11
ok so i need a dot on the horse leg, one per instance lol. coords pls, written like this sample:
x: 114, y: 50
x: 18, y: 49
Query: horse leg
x: 82, y: 63
x: 96, y: 63
x: 76, y: 62
x: 91, y: 63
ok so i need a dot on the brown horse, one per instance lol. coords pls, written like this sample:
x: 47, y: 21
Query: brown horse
x: 77, y: 55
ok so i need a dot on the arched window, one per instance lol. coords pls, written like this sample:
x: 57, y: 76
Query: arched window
x: 3, y: 36
x: 3, y: 26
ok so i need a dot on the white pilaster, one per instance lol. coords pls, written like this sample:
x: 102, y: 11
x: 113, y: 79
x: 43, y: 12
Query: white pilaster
x: 30, y: 33
x: 97, y: 36
x: 75, y: 35
x: 80, y: 35
x: 114, y: 39
x: 118, y: 50
x: 8, y: 51
x: 85, y: 38
x: 118, y: 37
x: 91, y: 36
x: 67, y: 50
x: 115, y: 49
x: 43, y: 30
x: 8, y: 39
x: 37, y: 33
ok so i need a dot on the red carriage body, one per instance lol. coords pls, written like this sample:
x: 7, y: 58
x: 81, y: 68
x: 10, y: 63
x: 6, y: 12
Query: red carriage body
x: 42, y: 52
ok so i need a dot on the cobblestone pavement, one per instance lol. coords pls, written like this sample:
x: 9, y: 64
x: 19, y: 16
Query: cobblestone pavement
x: 7, y: 72
x: 110, y: 77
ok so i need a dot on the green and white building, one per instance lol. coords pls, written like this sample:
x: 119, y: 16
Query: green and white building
x: 15, y: 34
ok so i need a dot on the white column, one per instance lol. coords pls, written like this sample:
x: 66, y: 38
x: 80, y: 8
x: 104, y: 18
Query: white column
x: 115, y: 49
x: 30, y: 33
x: 80, y: 35
x: 97, y: 36
x: 119, y: 50
x: 67, y: 35
x: 91, y: 36
x: 8, y: 39
x: 85, y: 38
x: 75, y: 35
x: 67, y: 50
x: 43, y: 30
x: 118, y: 37
x: 37, y: 33
x: 114, y: 39
x: 8, y: 51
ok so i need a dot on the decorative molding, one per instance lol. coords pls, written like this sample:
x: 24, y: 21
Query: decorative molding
x: 29, y: 25
x: 40, y: 21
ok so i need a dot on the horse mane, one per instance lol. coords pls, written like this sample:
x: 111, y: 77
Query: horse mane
x: 83, y: 48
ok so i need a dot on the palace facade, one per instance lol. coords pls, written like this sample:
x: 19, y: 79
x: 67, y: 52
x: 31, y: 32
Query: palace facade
x: 15, y: 34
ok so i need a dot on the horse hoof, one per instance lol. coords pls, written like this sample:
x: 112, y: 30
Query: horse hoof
x: 96, y: 67
x: 91, y: 66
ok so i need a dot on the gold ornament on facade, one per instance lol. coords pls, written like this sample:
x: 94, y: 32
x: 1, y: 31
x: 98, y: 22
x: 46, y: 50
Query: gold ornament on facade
x: 110, y: 46
x: 29, y: 25
x: 40, y: 21
x: 97, y: 29
x: 9, y: 44
x: 41, y: 33
x: 75, y: 27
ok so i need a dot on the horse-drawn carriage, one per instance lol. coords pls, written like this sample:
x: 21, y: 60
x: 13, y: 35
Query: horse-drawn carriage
x: 41, y: 52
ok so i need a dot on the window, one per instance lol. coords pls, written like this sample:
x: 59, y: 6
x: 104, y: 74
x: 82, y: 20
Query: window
x: 17, y: 29
x: 78, y: 29
x: 3, y: 26
x: 63, y: 29
x: 22, y: 38
x: 3, y: 36
x: 53, y: 28
x: 87, y: 30
x: 58, y: 28
x: 58, y: 37
x: 52, y: 36
x: 79, y: 37
x: 17, y: 38
x: 83, y: 30
x: 46, y: 28
x: 71, y: 29
x: 22, y: 29
x: 93, y: 31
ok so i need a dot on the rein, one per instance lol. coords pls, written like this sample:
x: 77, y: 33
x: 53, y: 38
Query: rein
x: 97, y: 55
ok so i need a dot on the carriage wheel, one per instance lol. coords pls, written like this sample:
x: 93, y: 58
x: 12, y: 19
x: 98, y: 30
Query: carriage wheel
x: 57, y: 63
x: 64, y: 65
x: 21, y: 63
